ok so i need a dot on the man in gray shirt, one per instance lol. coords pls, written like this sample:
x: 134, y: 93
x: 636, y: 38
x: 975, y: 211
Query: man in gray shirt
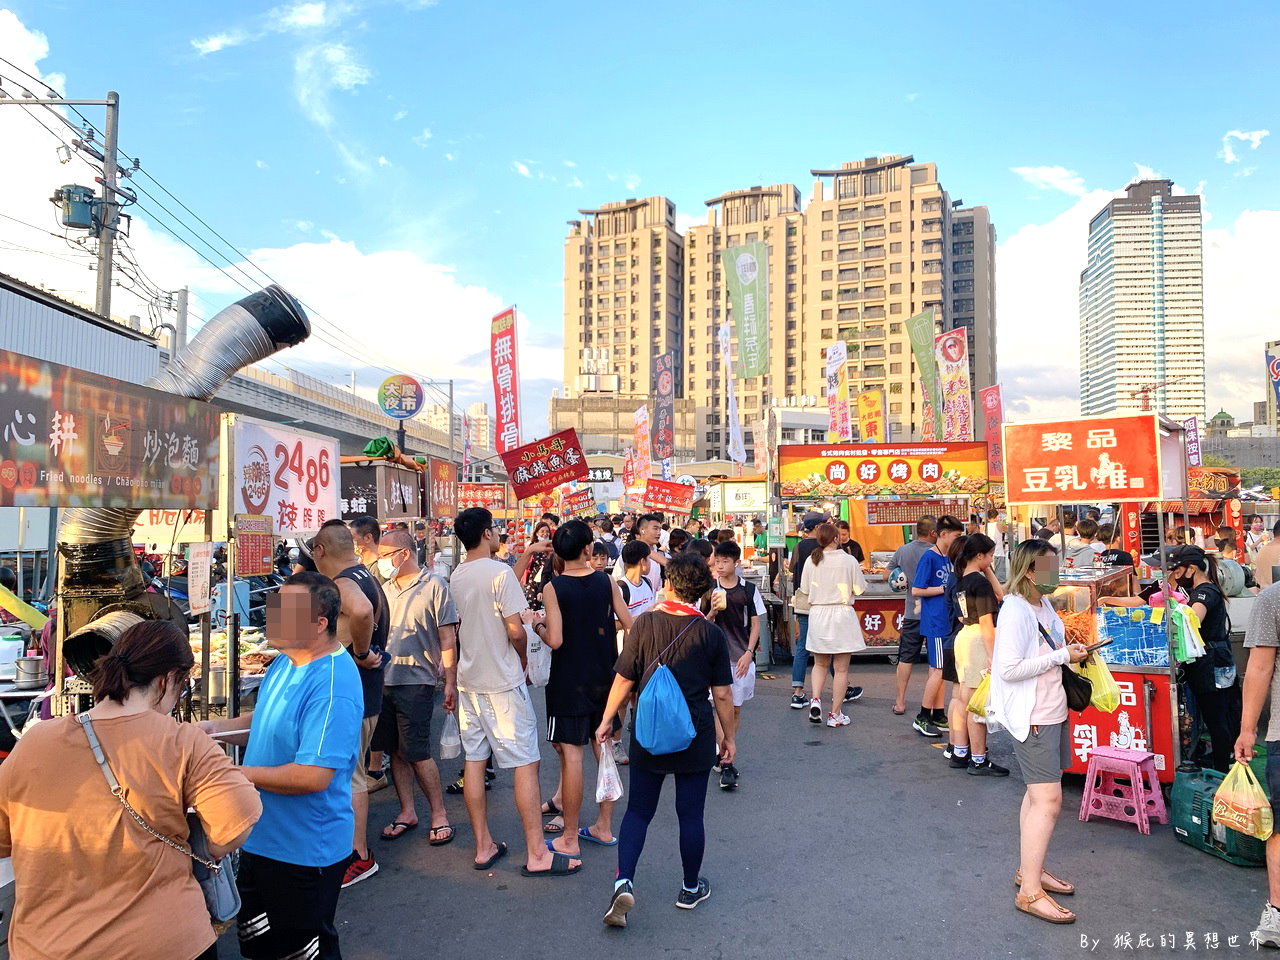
x: 422, y: 642
x: 910, y: 644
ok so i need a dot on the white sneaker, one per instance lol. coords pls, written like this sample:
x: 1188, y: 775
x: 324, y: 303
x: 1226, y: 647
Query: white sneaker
x: 1268, y: 932
x: 837, y: 720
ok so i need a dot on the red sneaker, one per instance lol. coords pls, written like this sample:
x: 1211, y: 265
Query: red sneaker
x: 358, y: 870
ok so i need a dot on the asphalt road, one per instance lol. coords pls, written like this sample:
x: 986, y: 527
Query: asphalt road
x: 852, y: 842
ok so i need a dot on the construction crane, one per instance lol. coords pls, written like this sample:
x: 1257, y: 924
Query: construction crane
x: 1146, y: 391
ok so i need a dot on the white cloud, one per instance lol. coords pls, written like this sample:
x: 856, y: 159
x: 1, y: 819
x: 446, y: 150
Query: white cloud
x: 1053, y: 178
x: 1252, y: 137
x: 320, y: 70
x: 218, y: 41
x: 570, y: 164
x: 301, y: 15
x: 686, y: 220
x: 629, y: 180
x: 260, y: 164
x: 302, y: 226
x: 521, y: 168
x: 423, y: 138
x: 1149, y: 173
x: 451, y: 156
x: 912, y: 97
x: 574, y: 182
x: 399, y: 115
x: 383, y: 162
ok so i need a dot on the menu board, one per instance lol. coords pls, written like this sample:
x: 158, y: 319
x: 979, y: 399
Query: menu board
x: 897, y: 513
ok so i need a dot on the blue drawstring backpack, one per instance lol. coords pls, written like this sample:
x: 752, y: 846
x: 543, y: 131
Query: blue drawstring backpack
x: 662, y: 721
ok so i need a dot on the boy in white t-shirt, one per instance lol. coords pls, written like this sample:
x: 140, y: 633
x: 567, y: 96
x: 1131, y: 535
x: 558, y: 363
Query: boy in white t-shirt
x: 638, y: 594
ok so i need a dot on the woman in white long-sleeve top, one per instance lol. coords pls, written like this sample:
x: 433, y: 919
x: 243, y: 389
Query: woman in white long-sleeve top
x: 1027, y: 697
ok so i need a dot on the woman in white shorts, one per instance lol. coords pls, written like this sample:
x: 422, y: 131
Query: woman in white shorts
x: 831, y: 580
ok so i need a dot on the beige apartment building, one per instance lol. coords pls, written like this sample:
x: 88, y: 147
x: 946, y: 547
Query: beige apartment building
x: 879, y: 241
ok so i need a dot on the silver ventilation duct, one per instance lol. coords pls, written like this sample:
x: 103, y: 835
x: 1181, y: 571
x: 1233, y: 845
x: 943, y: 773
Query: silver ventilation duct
x: 103, y: 590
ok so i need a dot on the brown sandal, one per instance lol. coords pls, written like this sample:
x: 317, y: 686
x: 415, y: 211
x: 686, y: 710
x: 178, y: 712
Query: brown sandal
x: 1024, y: 904
x: 1050, y: 883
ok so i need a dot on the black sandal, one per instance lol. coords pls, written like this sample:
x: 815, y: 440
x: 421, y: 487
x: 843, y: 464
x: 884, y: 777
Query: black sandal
x: 549, y: 808
x: 559, y: 867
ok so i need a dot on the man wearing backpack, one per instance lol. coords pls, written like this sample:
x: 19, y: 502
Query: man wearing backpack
x: 609, y: 538
x: 735, y: 606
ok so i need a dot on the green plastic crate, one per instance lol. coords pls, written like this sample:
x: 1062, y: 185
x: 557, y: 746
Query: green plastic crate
x: 1191, y: 808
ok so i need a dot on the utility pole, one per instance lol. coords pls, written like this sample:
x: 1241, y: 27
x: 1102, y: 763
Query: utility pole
x: 452, y: 428
x: 180, y: 325
x: 110, y: 207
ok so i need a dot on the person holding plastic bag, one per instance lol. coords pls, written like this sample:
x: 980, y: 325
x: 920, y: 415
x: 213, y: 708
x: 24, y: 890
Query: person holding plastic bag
x: 676, y: 636
x: 978, y: 595
x: 1027, y: 698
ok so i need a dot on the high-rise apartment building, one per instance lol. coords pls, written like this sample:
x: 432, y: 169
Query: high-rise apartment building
x: 479, y: 424
x: 1142, y: 305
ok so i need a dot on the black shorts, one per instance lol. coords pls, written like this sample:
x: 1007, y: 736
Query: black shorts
x: 405, y: 723
x: 1273, y: 776
x: 288, y: 910
x: 949, y: 665
x: 911, y: 644
x: 577, y: 731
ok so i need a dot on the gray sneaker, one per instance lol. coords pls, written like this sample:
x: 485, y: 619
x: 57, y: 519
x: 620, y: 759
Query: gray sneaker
x: 623, y: 900
x: 689, y: 899
x: 1268, y: 932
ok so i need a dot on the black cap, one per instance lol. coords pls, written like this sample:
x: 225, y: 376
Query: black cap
x: 419, y: 525
x: 1187, y: 555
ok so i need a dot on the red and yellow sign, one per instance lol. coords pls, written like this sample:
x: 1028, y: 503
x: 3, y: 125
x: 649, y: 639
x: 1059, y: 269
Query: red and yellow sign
x: 1212, y: 483
x: 541, y: 466
x: 668, y: 496
x: 812, y: 470
x: 491, y: 496
x: 880, y: 619
x: 577, y: 503
x: 443, y: 480
x: 1089, y: 460
x: 871, y: 416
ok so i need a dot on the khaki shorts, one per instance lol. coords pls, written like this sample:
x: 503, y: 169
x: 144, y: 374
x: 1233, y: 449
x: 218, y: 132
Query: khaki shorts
x: 359, y: 777
x: 971, y: 656
x: 501, y: 725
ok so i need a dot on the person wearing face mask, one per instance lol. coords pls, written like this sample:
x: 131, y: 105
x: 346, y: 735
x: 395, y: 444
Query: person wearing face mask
x: 1255, y: 536
x: 1027, y: 697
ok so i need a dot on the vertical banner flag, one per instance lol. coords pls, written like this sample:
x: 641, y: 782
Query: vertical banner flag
x: 951, y: 350
x: 1273, y: 372
x: 643, y: 461
x: 628, y: 471
x: 666, y: 468
x: 762, y: 440
x: 920, y: 329
x: 736, y: 448
x: 466, y: 442
x: 1192, y: 428
x: 840, y: 426
x: 991, y: 402
x: 871, y: 416
x: 746, y: 271
x: 664, y: 415
x: 506, y: 381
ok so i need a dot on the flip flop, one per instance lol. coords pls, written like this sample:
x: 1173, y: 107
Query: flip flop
x: 553, y: 827
x: 502, y: 852
x: 559, y: 867
x: 897, y: 712
x: 440, y: 843
x: 586, y: 834
x: 393, y: 825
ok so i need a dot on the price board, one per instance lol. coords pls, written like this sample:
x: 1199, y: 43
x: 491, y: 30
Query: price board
x: 898, y: 513
x: 255, y: 545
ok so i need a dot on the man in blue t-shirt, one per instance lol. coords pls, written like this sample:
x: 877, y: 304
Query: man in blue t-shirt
x: 932, y: 584
x: 304, y: 742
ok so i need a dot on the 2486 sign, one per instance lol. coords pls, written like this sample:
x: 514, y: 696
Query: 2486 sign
x: 284, y: 474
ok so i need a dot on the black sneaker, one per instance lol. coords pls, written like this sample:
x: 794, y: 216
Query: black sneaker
x: 815, y: 711
x: 986, y: 769
x: 728, y: 777
x: 623, y: 900
x: 852, y: 693
x: 455, y: 788
x: 939, y: 719
x: 922, y: 725
x: 798, y: 701
x: 958, y: 763
x: 689, y: 899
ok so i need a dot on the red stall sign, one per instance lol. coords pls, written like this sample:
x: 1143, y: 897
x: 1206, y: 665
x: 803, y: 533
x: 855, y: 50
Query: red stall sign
x: 443, y: 479
x: 577, y: 503
x: 668, y: 496
x: 543, y: 465
x: 880, y: 619
x: 1125, y: 729
x: 1090, y: 460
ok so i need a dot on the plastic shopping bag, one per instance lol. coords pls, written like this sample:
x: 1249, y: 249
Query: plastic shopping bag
x: 1241, y: 804
x: 450, y: 738
x: 1106, y: 692
x: 978, y: 702
x: 539, y: 669
x: 608, y: 783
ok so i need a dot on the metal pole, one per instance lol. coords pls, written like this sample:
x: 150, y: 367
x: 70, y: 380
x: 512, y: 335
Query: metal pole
x: 1168, y: 638
x: 110, y: 207
x: 452, y: 428
x: 180, y: 326
x: 400, y: 437
x: 51, y: 556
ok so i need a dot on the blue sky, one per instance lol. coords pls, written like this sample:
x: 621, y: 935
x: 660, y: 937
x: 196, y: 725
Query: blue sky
x: 435, y: 150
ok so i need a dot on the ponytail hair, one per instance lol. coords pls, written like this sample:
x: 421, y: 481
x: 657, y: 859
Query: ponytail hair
x: 966, y: 549
x: 827, y: 535
x: 153, y: 648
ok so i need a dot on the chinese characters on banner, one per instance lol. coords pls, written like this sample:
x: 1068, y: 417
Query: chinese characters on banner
x: 1192, y: 428
x: 577, y: 503
x: 442, y: 479
x: 667, y: 496
x: 871, y: 423
x: 664, y: 416
x: 629, y: 471
x: 199, y: 570
x: 991, y: 403
x: 746, y: 271
x: 543, y: 465
x: 400, y: 396
x: 286, y: 474
x: 491, y: 496
x: 735, y: 448
x: 840, y: 427
x: 255, y: 545
x: 506, y: 381
x: 881, y: 620
x: 921, y: 329
x: 74, y: 439
x: 900, y: 513
x: 1213, y: 483
x: 1090, y: 460
x: 162, y: 528
x: 951, y: 350
x: 881, y: 470
x: 642, y: 464
x: 385, y: 491
x: 1123, y: 729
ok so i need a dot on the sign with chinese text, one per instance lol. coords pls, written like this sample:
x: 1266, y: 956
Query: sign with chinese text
x: 199, y: 569
x: 600, y: 475
x: 1213, y: 483
x: 921, y: 329
x: 69, y: 438
x: 813, y: 470
x: 880, y: 619
x: 491, y: 496
x: 871, y: 422
x: 628, y: 471
x: 738, y: 497
x: 1273, y: 374
x: 384, y: 491
x: 255, y: 545
x: 163, y: 529
x: 746, y: 271
x: 1124, y: 729
x: 735, y: 448
x: 506, y: 381
x: 400, y: 396
x: 664, y: 409
x: 991, y: 407
x: 951, y: 351
x: 642, y: 463
x: 1088, y: 460
x: 442, y: 486
x: 839, y: 424
x: 577, y: 503
x: 544, y: 464
x: 901, y: 513
x: 286, y: 474
x: 1191, y: 430
x: 668, y: 496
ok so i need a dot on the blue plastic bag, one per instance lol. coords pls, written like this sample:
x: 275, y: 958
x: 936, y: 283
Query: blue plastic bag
x: 662, y: 722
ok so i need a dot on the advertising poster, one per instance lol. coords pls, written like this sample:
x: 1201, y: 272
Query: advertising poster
x: 1191, y: 428
x: 921, y: 329
x: 1089, y: 460
x: 746, y: 273
x: 668, y: 496
x: 881, y: 620
x: 578, y: 503
x: 286, y: 474
x: 543, y: 465
x: 491, y: 496
x: 991, y: 404
x: 1213, y: 483
x: 384, y: 491
x: 642, y: 463
x: 255, y: 545
x: 1273, y: 374
x: 951, y: 351
x: 69, y: 438
x: 400, y: 396
x: 442, y: 480
x: 871, y: 421
x: 664, y: 410
x: 840, y: 426
x: 738, y: 497
x: 506, y: 381
x: 163, y: 529
x: 199, y: 571
x: 814, y: 470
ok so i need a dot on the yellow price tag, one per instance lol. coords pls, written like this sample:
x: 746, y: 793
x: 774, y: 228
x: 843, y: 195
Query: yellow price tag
x: 1157, y: 615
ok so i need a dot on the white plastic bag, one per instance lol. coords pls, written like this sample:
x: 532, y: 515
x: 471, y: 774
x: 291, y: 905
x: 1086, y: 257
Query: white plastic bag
x: 608, y: 783
x: 539, y: 654
x: 450, y: 738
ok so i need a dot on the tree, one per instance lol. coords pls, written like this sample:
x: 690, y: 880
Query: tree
x: 1266, y: 477
x: 1214, y: 460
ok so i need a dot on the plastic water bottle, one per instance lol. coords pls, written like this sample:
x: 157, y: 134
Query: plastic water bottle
x: 1223, y: 677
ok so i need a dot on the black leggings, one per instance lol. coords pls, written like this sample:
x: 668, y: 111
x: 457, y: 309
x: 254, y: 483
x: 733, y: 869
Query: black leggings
x: 691, y: 799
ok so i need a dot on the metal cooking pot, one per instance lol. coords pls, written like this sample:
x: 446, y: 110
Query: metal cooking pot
x: 30, y: 673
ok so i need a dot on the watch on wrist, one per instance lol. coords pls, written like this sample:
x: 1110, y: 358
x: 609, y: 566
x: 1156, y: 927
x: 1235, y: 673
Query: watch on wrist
x: 363, y: 656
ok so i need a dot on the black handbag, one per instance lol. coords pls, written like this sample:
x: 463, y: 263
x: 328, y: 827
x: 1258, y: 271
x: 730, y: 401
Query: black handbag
x: 1079, y: 689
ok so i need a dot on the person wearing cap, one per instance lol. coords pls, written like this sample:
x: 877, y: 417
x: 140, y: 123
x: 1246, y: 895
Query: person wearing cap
x: 800, y: 653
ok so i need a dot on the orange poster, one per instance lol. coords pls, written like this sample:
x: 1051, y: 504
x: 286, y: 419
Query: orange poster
x: 871, y: 416
x: 1089, y: 460
x: 881, y: 469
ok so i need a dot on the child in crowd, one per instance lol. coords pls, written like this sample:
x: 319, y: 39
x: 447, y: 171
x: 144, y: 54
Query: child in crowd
x: 735, y: 606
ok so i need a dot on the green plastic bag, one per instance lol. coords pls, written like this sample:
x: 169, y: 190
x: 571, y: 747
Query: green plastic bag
x: 981, y: 695
x: 1106, y: 692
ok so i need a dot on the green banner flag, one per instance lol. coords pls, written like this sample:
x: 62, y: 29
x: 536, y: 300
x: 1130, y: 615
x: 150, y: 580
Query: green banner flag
x: 746, y: 270
x: 921, y: 329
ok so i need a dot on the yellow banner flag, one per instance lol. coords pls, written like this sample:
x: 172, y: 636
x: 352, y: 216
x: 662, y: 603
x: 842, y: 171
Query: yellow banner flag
x: 871, y: 416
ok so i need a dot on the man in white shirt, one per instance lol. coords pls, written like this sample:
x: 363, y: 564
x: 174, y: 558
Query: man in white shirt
x: 648, y: 531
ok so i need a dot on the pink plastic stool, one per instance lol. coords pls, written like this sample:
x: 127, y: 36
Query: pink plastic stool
x: 1138, y: 800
